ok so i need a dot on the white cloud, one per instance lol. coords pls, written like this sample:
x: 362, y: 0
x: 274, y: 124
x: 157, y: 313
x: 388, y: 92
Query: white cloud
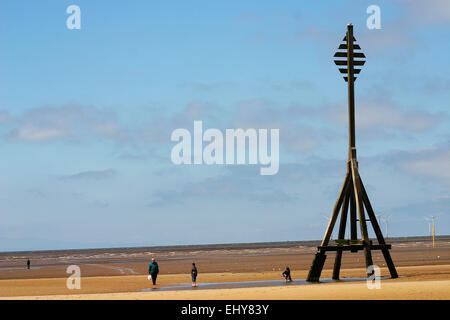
x: 91, y: 175
x: 385, y: 114
x: 433, y: 164
x: 36, y: 134
x: 429, y: 12
x: 108, y: 129
x: 4, y: 116
x: 67, y: 122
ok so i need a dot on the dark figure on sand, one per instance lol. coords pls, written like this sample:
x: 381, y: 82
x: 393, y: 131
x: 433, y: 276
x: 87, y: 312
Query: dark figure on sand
x: 194, y: 275
x: 28, y: 264
x: 153, y: 270
x: 287, y: 274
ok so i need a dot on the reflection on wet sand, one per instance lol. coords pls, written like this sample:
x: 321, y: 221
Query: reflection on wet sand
x: 249, y: 284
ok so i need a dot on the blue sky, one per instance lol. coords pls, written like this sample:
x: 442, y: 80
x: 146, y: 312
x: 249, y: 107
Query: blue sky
x: 86, y: 117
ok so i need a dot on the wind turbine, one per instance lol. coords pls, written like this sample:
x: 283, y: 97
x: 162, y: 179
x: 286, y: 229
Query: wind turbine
x: 432, y: 218
x: 379, y: 216
x: 326, y: 220
x: 429, y: 225
x: 386, y: 222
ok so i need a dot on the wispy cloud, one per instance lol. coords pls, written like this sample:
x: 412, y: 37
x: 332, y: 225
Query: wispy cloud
x: 243, y: 185
x: 32, y: 133
x: 433, y: 162
x: 4, y: 116
x: 385, y: 114
x: 430, y: 12
x: 91, y: 175
x: 68, y: 122
x: 210, y: 86
x: 239, y: 182
x: 100, y: 203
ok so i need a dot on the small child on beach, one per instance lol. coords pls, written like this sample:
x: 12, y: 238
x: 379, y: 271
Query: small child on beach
x: 287, y: 274
x: 194, y: 275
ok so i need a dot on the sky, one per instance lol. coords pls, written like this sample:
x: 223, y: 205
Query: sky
x: 86, y: 117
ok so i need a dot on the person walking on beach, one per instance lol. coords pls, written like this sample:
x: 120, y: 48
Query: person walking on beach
x: 153, y: 270
x: 28, y: 264
x: 287, y: 275
x: 194, y: 275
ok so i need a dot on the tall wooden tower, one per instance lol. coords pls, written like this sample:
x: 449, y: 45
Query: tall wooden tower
x: 353, y: 195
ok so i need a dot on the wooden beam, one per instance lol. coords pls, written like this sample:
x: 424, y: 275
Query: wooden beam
x: 353, y: 229
x: 362, y: 218
x: 379, y: 234
x: 336, y: 209
x: 355, y: 247
x: 341, y: 235
x: 316, y: 267
x: 371, y: 214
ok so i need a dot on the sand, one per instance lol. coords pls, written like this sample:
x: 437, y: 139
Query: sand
x: 411, y: 290
x: 121, y: 273
x: 419, y: 282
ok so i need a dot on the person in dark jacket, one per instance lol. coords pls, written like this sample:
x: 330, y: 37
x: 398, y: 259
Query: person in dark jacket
x: 287, y: 274
x: 194, y: 275
x: 153, y: 270
x: 28, y: 264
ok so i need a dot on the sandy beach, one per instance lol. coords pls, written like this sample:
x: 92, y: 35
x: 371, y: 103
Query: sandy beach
x: 415, y: 284
x: 122, y: 274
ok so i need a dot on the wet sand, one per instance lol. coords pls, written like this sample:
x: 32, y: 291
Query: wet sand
x: 414, y: 283
x: 248, y: 273
x: 414, y: 290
